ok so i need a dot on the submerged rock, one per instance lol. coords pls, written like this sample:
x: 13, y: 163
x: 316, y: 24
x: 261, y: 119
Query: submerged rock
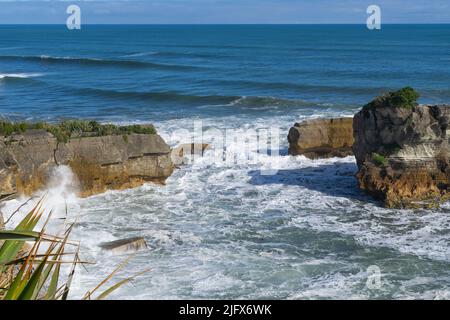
x: 403, y: 153
x: 99, y: 163
x: 183, y: 151
x: 125, y: 245
x: 322, y: 138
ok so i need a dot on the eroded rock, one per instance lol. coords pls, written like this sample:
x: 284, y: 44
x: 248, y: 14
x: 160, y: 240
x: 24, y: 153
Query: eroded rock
x: 99, y: 163
x: 403, y: 154
x: 322, y: 138
x: 125, y: 245
x: 180, y: 154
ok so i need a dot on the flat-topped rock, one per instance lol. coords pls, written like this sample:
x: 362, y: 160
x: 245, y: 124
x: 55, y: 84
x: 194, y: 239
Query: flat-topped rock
x: 99, y: 163
x: 125, y: 245
x: 322, y: 138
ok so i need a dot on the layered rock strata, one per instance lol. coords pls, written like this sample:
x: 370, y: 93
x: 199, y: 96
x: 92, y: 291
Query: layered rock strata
x: 322, y: 138
x: 403, y: 153
x: 99, y: 163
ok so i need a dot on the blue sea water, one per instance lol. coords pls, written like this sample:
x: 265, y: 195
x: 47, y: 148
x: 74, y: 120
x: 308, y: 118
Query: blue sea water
x: 167, y: 72
x: 224, y: 230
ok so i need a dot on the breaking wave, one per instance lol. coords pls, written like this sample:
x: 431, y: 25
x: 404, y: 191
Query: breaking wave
x: 99, y: 62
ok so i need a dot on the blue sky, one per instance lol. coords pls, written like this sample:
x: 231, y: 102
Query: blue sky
x: 224, y: 11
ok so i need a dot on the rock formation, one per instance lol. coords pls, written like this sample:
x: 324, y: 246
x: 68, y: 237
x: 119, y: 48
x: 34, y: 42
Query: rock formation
x: 402, y: 151
x: 322, y: 138
x: 125, y: 245
x: 183, y: 154
x: 99, y: 163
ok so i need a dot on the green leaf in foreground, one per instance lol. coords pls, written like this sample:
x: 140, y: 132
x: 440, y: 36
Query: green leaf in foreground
x: 37, y: 275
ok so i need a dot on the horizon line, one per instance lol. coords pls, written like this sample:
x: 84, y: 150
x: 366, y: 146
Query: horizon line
x: 225, y: 24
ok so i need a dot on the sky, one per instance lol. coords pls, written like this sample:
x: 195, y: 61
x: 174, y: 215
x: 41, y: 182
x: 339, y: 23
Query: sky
x: 223, y: 11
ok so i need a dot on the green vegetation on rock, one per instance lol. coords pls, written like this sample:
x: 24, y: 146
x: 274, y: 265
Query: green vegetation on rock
x: 379, y: 159
x: 404, y: 98
x: 67, y: 129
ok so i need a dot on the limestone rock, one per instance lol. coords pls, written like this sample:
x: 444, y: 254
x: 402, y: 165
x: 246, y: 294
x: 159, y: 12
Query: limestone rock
x: 322, y: 138
x: 182, y: 151
x: 125, y: 245
x: 2, y: 221
x: 25, y: 162
x: 99, y: 163
x: 403, y: 154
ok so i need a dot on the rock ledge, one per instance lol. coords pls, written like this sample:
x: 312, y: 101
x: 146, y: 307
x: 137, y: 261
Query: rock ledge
x: 99, y: 163
x: 322, y: 138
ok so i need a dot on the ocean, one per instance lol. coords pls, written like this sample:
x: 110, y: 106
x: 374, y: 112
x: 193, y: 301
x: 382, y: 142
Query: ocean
x: 224, y: 230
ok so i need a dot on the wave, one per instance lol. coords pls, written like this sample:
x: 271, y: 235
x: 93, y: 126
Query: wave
x: 262, y: 102
x: 140, y: 54
x: 19, y: 75
x: 249, y: 102
x: 174, y: 54
x: 11, y: 48
x: 99, y: 62
x: 166, y: 96
x: 296, y: 87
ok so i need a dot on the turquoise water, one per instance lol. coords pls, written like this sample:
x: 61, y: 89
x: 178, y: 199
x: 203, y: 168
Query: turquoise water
x: 225, y: 230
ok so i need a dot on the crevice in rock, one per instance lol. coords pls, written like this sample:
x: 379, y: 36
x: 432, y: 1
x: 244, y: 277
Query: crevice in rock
x: 110, y: 164
x: 54, y: 154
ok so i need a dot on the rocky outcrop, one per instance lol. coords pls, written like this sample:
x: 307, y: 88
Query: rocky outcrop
x: 322, y: 138
x: 184, y: 153
x: 99, y: 163
x: 403, y: 153
x: 125, y: 245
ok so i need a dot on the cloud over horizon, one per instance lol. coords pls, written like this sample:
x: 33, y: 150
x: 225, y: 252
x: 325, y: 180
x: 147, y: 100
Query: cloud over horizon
x: 223, y: 11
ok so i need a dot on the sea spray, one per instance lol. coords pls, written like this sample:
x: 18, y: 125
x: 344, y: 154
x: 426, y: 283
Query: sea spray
x: 61, y: 189
x: 59, y: 196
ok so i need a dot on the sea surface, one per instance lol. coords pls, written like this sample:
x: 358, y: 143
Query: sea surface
x: 225, y: 229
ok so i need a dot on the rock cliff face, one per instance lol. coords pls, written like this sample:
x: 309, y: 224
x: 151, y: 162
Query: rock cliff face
x: 98, y: 162
x: 403, y: 153
x: 2, y: 222
x: 322, y: 138
x: 183, y: 153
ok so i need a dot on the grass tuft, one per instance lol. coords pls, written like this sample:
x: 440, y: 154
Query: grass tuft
x: 379, y: 159
x: 67, y: 129
x: 404, y: 98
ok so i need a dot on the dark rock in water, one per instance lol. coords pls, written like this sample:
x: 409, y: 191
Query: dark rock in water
x: 403, y: 153
x: 125, y: 245
x: 322, y: 138
x: 99, y: 163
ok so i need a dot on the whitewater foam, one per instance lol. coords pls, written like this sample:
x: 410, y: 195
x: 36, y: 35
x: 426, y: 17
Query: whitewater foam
x: 20, y: 75
x: 221, y: 230
x: 140, y: 54
x: 58, y: 196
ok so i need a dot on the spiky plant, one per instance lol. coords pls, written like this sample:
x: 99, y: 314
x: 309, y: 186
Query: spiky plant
x: 36, y: 274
